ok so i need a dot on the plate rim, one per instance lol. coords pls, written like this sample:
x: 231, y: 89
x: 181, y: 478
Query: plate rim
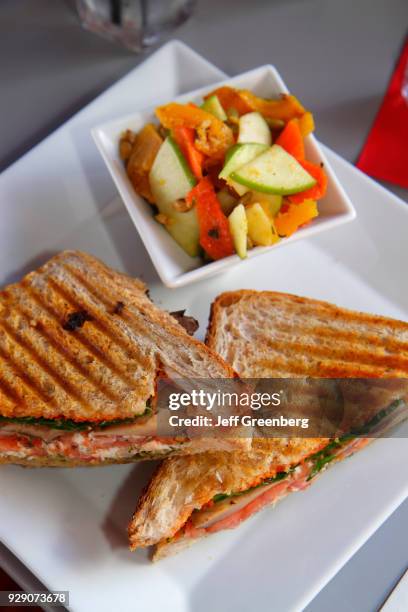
x: 375, y: 524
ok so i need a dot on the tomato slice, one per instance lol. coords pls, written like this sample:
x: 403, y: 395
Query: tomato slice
x: 9, y: 443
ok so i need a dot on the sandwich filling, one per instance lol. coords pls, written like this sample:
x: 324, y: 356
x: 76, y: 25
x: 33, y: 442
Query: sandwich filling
x: 32, y: 438
x: 228, y: 510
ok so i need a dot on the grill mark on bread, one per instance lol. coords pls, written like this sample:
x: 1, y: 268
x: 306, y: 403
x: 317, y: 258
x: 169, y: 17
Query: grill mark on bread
x: 342, y: 354
x: 88, y: 378
x: 8, y: 394
x: 139, y: 320
x: 79, y: 338
x: 134, y: 318
x: 131, y: 315
x: 293, y: 304
x: 31, y: 385
x: 296, y: 304
x: 321, y: 370
x: 331, y: 333
x: 36, y: 358
x: 110, y: 304
x: 98, y: 321
x: 348, y: 371
x: 277, y: 367
x: 315, y: 363
x: 64, y: 385
x: 101, y: 294
x: 321, y: 364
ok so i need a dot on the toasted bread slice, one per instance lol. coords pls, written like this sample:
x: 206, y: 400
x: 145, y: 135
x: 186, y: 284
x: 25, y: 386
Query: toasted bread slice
x: 267, y: 335
x: 83, y: 344
x: 263, y: 334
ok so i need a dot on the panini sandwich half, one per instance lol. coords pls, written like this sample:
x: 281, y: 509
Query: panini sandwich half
x: 81, y: 351
x: 270, y: 335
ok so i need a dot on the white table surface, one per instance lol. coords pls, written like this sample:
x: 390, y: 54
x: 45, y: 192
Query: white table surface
x: 336, y: 55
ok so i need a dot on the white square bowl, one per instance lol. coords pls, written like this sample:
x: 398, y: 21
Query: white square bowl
x: 173, y: 265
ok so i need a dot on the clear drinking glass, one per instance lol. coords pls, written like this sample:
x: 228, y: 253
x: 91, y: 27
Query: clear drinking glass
x: 136, y: 24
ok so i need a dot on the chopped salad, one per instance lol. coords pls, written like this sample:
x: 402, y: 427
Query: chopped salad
x: 228, y: 175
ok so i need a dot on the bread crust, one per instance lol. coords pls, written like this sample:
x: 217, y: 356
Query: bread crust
x: 50, y: 462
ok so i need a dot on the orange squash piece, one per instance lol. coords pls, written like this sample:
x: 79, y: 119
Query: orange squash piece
x: 231, y: 98
x: 214, y: 137
x: 291, y: 139
x: 306, y: 124
x: 293, y: 216
x: 317, y: 191
x: 144, y: 150
x: 285, y: 108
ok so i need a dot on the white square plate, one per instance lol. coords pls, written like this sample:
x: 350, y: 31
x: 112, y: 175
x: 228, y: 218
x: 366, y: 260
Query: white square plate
x: 172, y: 264
x: 69, y: 526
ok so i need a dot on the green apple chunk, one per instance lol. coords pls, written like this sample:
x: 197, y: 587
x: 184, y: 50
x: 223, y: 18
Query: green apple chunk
x: 253, y: 128
x: 239, y: 189
x: 170, y: 180
x: 238, y: 225
x: 238, y: 156
x: 274, y: 171
x: 213, y: 105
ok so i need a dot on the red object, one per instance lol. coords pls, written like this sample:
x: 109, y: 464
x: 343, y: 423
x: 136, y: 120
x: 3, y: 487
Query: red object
x: 215, y: 237
x: 9, y: 443
x: 184, y: 136
x: 7, y: 584
x: 317, y: 191
x: 291, y: 139
x: 385, y: 153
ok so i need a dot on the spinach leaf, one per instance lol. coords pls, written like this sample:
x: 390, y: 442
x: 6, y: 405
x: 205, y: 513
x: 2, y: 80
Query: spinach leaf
x: 279, y: 476
x: 365, y: 429
x: 220, y: 497
x: 324, y: 456
x: 69, y: 424
x: 327, y: 454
